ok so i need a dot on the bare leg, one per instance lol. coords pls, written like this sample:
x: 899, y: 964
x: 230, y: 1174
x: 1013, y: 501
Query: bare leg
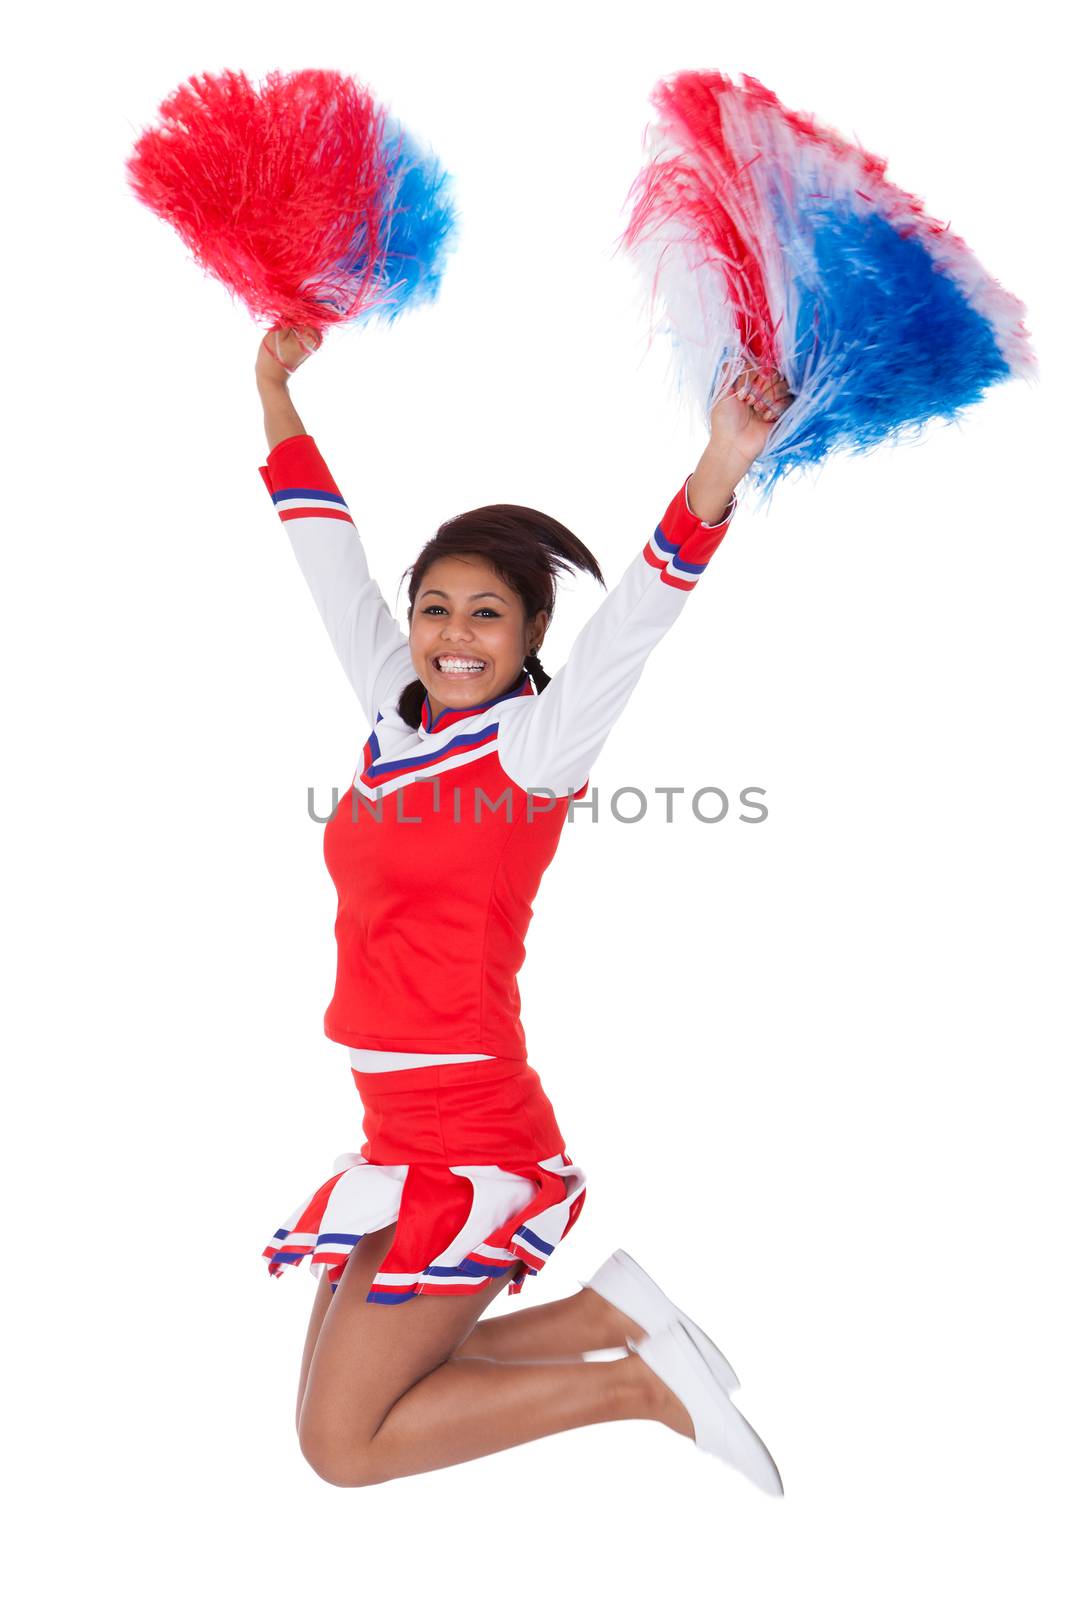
x: 319, y: 1308
x: 384, y: 1398
x: 374, y: 1249
x: 562, y: 1330
x: 470, y: 1408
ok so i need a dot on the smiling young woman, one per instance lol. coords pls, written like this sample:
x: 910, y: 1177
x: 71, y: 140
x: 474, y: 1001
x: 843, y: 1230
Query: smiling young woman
x: 468, y: 643
x: 464, y: 1183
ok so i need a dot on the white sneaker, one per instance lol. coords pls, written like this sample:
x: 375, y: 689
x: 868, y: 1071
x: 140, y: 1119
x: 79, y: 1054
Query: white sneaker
x: 720, y: 1428
x: 627, y: 1286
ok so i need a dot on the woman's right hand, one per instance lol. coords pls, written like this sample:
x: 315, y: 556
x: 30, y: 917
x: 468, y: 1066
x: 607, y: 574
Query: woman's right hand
x: 282, y: 350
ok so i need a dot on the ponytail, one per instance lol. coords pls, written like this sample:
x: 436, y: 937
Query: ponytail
x: 537, y: 672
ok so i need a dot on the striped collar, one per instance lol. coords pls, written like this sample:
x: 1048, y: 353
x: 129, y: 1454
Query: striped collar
x: 449, y: 715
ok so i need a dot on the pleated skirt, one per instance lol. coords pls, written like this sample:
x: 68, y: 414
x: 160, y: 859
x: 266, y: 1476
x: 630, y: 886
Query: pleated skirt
x: 467, y: 1159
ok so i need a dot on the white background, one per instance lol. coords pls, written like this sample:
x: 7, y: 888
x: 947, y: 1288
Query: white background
x: 812, y: 1068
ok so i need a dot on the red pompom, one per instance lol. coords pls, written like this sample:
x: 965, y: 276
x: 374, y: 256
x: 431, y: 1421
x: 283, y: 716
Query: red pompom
x: 277, y: 191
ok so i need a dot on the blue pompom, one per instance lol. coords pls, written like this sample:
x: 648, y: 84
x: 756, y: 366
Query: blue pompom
x: 774, y: 245
x: 885, y: 340
x: 421, y: 218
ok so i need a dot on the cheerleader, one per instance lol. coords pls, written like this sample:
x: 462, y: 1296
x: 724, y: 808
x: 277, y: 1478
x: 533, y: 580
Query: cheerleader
x: 464, y: 1183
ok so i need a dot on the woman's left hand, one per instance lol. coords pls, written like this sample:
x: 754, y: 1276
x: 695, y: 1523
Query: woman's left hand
x: 740, y: 422
x: 742, y: 419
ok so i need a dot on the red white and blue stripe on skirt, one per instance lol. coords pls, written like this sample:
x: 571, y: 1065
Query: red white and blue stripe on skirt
x: 460, y: 1223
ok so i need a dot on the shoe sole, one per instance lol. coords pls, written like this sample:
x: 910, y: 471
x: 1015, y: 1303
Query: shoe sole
x: 771, y: 1481
x: 741, y: 1439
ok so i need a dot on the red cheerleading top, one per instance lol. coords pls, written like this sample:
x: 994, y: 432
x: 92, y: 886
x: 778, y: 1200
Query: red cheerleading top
x: 438, y: 847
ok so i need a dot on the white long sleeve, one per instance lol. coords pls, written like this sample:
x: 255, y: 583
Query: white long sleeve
x: 372, y: 647
x: 547, y: 741
x: 552, y: 740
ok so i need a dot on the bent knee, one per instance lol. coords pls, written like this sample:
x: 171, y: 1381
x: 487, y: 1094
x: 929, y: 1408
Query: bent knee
x: 338, y: 1461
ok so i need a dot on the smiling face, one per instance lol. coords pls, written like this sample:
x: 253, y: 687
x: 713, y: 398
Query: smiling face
x: 468, y: 634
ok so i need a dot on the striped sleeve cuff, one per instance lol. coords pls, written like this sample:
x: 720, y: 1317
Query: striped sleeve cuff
x: 682, y: 545
x: 300, y: 483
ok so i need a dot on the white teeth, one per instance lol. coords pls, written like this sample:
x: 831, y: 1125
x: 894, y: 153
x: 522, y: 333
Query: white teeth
x: 458, y: 664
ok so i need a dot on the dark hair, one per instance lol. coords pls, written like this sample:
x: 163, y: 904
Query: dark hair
x: 527, y: 549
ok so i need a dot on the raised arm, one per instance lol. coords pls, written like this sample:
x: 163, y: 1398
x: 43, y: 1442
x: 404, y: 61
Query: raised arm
x: 553, y: 742
x: 371, y: 645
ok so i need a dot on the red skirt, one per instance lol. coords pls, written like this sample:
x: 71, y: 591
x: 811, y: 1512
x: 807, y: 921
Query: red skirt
x: 467, y: 1159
